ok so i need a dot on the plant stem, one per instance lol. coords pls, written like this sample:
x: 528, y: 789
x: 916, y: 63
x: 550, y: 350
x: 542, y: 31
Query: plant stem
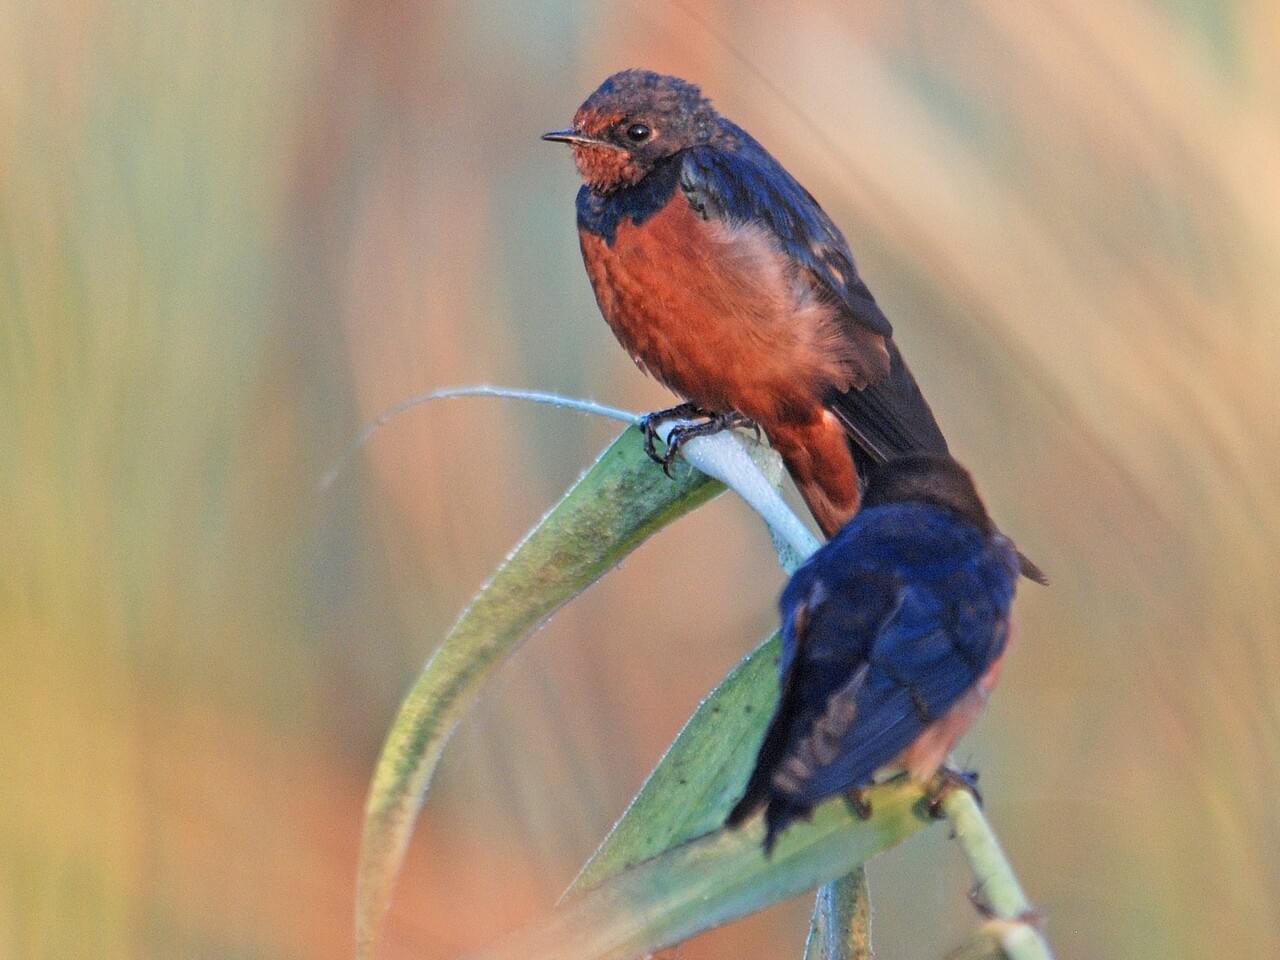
x: 472, y: 390
x: 1012, y: 915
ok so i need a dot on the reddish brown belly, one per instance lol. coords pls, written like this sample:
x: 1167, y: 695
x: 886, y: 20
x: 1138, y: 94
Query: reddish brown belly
x: 923, y: 758
x: 716, y: 314
x: 719, y: 315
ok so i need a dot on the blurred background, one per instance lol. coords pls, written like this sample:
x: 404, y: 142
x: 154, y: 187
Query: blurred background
x: 230, y: 233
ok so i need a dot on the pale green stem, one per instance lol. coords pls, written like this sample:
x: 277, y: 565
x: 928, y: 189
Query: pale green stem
x: 997, y: 887
x: 753, y: 473
x: 473, y: 390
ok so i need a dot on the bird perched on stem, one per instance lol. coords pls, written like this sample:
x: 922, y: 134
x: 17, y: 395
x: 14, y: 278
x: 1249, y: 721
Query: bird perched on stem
x: 893, y: 637
x: 724, y: 278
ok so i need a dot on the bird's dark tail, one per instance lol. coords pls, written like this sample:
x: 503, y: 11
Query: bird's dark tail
x: 892, y: 418
x: 779, y: 811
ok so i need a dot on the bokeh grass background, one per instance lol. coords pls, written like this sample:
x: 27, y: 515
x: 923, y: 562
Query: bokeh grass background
x: 230, y: 233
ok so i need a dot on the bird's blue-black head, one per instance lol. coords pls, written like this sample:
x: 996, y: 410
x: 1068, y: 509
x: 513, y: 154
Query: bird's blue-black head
x: 633, y: 121
x: 928, y: 478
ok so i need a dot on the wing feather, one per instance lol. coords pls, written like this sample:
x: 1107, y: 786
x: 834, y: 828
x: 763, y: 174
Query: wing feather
x: 739, y: 182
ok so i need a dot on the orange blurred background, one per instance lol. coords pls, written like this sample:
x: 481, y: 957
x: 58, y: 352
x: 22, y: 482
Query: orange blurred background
x: 231, y: 233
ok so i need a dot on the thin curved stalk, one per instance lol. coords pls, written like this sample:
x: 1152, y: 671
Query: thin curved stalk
x: 1013, y: 917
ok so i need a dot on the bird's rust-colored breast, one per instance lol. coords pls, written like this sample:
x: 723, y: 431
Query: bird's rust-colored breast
x: 721, y: 316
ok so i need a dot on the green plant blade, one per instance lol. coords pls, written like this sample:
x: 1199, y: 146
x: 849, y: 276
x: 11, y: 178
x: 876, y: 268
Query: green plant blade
x: 666, y: 872
x: 693, y: 787
x: 714, y: 879
x: 702, y: 774
x: 841, y: 925
x: 619, y: 502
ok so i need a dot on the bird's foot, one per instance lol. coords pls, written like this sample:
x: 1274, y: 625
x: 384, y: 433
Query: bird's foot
x: 649, y: 426
x: 858, y: 803
x: 947, y: 780
x: 712, y: 423
x: 715, y: 423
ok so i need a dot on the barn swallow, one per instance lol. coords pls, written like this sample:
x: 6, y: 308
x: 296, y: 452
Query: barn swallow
x: 726, y: 280
x: 893, y: 636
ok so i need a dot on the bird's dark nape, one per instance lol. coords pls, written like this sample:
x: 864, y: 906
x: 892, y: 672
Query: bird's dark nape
x: 928, y: 478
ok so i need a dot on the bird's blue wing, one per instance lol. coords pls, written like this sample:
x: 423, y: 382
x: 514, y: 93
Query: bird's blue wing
x: 934, y: 649
x: 738, y: 181
x: 824, y: 646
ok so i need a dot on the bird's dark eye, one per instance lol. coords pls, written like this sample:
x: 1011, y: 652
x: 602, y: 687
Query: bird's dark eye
x: 638, y: 132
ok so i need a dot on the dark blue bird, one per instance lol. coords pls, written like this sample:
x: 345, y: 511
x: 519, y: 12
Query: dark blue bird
x: 893, y: 636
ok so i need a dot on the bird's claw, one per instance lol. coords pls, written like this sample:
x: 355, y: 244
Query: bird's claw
x: 859, y: 804
x: 675, y: 440
x: 712, y: 423
x: 649, y: 427
x: 950, y: 779
x: 682, y: 434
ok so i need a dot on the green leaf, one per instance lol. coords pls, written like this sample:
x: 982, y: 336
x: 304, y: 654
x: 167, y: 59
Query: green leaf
x: 841, y: 925
x: 697, y: 782
x: 619, y: 502
x: 666, y: 871
x: 703, y: 772
x: 714, y: 879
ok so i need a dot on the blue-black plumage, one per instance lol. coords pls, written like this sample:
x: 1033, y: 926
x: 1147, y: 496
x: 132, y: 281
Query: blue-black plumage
x: 893, y: 636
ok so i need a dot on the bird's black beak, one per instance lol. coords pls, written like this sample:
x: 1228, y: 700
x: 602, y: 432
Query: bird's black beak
x: 568, y: 136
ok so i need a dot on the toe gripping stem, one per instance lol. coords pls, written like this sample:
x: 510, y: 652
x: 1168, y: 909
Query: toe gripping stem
x: 712, y: 423
x: 950, y: 779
